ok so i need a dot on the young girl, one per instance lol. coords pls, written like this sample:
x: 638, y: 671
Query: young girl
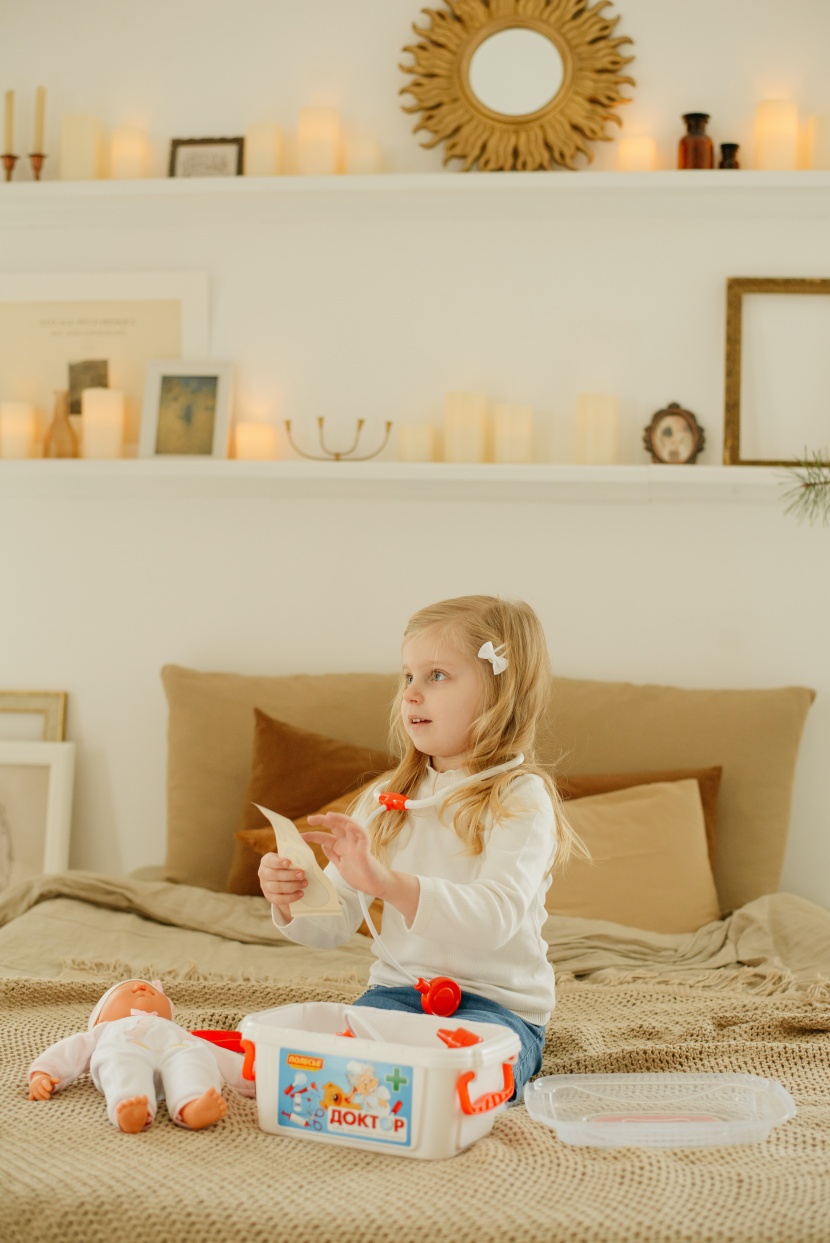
x: 464, y: 881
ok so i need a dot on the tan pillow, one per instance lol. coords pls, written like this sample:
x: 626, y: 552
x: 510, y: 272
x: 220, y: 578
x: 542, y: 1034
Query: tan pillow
x: 293, y: 772
x: 649, y: 864
x: 605, y: 727
x: 260, y: 841
x: 708, y: 780
x: 592, y: 727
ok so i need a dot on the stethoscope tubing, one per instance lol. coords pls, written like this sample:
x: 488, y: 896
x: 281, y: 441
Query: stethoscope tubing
x: 416, y: 804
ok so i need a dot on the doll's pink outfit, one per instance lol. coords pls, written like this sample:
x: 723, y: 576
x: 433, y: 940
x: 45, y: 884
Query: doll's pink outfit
x: 142, y: 1055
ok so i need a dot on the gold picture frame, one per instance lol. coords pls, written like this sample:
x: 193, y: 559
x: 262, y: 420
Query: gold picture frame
x: 51, y: 705
x: 554, y: 133
x: 737, y: 288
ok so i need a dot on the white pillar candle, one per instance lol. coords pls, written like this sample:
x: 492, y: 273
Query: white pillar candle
x: 129, y: 153
x: 597, y: 429
x: 255, y: 442
x: 318, y: 142
x: 102, y: 423
x: 18, y: 429
x: 818, y: 141
x: 512, y: 433
x: 81, y: 148
x: 8, y: 125
x: 40, y: 118
x: 465, y: 427
x: 637, y: 153
x: 263, y: 150
x: 416, y: 442
x: 361, y: 154
x: 776, y: 134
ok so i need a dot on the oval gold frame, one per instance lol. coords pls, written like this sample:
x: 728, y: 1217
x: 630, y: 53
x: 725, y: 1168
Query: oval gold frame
x: 553, y: 135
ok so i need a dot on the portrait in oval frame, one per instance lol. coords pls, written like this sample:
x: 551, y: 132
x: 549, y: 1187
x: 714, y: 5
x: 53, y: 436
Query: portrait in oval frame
x: 674, y: 437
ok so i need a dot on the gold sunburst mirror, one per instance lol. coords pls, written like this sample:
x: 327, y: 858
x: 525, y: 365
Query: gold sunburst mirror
x: 517, y: 84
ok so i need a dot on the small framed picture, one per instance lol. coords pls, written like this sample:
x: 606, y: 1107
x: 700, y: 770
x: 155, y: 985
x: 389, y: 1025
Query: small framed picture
x: 187, y: 409
x: 206, y: 157
x: 29, y: 716
x: 36, y: 781
x: 674, y: 436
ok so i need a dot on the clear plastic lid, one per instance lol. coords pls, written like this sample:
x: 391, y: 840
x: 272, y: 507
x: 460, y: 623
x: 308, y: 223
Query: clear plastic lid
x: 659, y: 1110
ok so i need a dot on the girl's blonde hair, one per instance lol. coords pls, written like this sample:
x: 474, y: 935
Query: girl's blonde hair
x: 512, y: 705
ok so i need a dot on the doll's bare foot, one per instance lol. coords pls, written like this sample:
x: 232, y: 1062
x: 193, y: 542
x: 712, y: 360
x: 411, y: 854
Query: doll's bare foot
x: 204, y: 1111
x: 133, y: 1114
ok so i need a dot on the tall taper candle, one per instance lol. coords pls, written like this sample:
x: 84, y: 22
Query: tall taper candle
x: 8, y: 126
x: 40, y: 116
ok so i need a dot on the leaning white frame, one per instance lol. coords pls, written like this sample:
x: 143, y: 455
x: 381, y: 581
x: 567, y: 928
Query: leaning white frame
x: 189, y: 289
x: 59, y: 758
x: 157, y: 369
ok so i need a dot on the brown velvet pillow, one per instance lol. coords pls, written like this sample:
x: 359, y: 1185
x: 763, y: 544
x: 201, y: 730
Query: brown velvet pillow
x: 294, y: 772
x: 262, y: 840
x: 708, y: 780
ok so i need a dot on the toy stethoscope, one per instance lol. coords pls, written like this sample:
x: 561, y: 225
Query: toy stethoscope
x: 442, y: 995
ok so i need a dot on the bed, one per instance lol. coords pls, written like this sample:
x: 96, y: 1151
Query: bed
x: 746, y: 989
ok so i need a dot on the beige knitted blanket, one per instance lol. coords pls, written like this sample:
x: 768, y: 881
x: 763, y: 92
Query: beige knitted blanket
x: 67, y: 1175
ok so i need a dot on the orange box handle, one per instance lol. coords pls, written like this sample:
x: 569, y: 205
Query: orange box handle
x: 489, y: 1100
x: 249, y: 1049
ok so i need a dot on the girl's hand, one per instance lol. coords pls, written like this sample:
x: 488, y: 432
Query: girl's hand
x: 347, y: 845
x: 41, y: 1086
x: 281, y: 882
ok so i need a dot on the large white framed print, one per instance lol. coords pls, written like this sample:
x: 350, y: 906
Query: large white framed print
x: 36, y: 781
x: 70, y: 331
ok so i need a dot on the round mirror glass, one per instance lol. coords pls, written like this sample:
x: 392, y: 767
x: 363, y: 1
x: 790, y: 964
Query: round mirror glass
x: 516, y: 71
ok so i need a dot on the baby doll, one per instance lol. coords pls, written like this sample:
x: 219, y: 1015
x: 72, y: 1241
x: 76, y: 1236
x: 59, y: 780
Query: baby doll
x: 136, y: 1054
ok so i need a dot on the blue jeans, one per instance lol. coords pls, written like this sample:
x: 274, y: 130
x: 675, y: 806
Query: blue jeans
x: 479, y: 1009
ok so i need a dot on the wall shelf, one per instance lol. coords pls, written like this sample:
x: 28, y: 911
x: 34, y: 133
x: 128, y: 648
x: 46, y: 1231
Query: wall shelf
x: 714, y: 194
x: 294, y: 480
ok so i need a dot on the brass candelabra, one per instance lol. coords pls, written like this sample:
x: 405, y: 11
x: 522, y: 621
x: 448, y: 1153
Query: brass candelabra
x: 330, y: 455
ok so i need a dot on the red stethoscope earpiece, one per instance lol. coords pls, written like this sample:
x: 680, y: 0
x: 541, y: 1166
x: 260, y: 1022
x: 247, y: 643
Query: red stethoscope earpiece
x: 393, y: 802
x: 440, y: 996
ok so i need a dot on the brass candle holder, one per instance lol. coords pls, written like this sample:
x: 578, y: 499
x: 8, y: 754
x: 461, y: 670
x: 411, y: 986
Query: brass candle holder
x: 36, y: 161
x: 9, y: 162
x: 329, y: 455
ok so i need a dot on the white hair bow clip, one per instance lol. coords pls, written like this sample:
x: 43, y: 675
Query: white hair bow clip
x: 488, y: 652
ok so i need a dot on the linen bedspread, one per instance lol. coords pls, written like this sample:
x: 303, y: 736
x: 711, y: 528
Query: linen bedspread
x: 750, y: 993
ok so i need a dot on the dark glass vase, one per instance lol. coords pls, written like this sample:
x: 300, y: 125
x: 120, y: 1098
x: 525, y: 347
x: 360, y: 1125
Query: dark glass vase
x: 695, y: 149
x: 729, y: 155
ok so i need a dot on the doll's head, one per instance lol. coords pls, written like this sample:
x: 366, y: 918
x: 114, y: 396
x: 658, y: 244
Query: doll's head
x: 131, y: 997
x: 496, y: 690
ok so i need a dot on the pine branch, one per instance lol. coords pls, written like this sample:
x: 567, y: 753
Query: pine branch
x: 809, y: 493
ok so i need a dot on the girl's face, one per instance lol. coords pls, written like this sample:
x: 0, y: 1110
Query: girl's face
x: 441, y: 699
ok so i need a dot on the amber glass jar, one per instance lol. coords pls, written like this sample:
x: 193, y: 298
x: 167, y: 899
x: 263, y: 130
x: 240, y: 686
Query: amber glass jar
x: 695, y: 149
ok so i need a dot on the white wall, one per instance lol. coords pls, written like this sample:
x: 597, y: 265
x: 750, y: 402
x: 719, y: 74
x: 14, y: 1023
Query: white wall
x: 189, y: 69
x: 380, y: 317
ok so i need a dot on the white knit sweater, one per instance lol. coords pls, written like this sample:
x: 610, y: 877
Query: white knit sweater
x: 479, y: 917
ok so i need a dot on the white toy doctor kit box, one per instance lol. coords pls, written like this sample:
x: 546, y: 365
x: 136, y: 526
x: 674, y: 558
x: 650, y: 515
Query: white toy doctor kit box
x: 412, y: 1084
